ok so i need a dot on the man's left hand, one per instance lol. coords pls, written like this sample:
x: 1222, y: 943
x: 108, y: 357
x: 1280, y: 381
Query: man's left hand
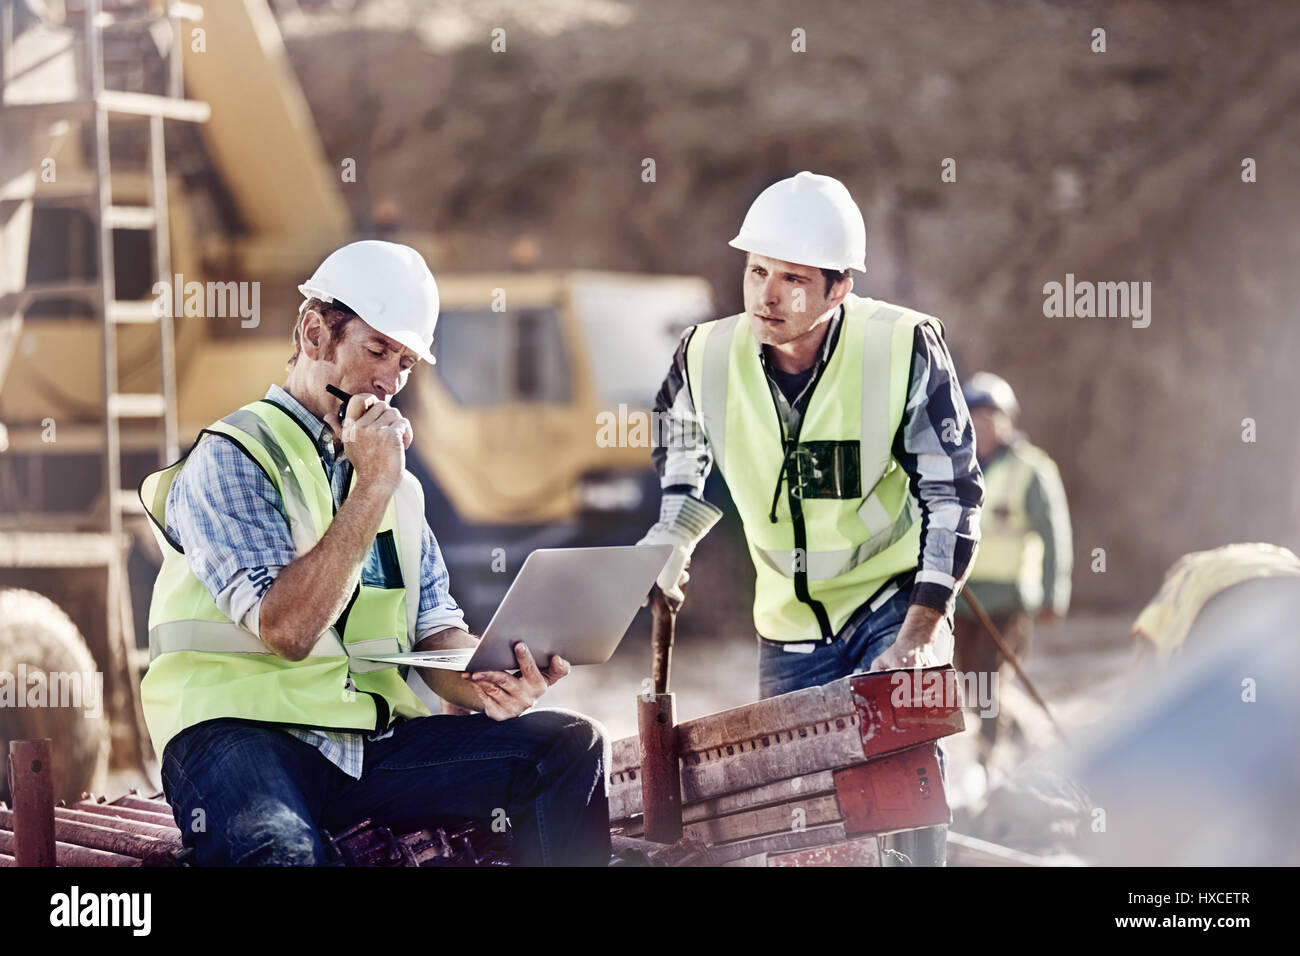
x: 917, y: 641
x: 505, y: 695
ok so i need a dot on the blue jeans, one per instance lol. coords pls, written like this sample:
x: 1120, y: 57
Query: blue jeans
x: 863, y: 638
x: 248, y: 794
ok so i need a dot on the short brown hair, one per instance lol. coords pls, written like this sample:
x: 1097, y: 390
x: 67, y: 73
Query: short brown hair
x: 335, y: 316
x: 833, y: 276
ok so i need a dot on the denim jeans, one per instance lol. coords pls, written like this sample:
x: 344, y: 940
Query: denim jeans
x: 864, y: 637
x: 249, y: 794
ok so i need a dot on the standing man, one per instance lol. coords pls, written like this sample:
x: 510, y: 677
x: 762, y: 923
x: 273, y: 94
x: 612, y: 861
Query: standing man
x: 295, y: 542
x: 1025, y: 556
x: 840, y: 428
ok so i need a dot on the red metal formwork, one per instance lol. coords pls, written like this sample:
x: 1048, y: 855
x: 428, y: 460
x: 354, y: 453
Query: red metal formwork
x: 904, y: 708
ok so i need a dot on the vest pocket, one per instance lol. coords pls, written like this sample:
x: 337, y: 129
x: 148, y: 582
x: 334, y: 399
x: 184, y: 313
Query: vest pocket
x: 381, y: 569
x: 827, y: 469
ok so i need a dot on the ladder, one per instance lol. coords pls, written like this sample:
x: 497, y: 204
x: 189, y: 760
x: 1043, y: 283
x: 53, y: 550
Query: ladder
x: 93, y: 108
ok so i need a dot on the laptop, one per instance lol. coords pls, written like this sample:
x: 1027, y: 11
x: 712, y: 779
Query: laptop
x: 575, y: 602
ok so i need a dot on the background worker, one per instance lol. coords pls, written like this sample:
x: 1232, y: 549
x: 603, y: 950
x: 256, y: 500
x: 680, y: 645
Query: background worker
x: 841, y: 431
x: 293, y: 542
x: 1025, y: 557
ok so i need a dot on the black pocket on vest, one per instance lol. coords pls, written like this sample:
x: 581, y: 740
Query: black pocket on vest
x: 827, y: 469
x: 381, y: 569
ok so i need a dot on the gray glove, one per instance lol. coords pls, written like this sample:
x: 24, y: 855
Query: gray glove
x: 683, y: 521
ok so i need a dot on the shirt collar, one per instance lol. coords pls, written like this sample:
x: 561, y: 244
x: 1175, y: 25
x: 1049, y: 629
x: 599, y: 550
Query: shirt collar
x: 324, y: 437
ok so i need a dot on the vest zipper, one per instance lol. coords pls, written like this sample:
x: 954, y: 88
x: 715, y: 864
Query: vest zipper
x: 789, y: 444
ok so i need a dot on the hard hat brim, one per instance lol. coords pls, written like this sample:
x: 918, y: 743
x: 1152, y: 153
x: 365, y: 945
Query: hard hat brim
x: 407, y: 338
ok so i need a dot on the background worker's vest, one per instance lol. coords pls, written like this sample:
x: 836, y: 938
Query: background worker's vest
x: 1199, y: 576
x: 204, y: 666
x: 846, y: 521
x: 1011, y: 551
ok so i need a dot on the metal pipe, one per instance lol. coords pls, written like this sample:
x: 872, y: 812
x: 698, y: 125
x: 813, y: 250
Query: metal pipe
x: 32, y: 818
x: 145, y: 848
x: 118, y: 823
x: 127, y: 813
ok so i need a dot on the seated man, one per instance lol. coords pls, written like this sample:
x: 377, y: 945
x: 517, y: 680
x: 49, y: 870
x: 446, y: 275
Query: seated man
x: 294, y: 543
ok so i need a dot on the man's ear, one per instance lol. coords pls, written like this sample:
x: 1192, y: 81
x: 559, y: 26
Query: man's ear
x: 840, y: 290
x: 312, y: 335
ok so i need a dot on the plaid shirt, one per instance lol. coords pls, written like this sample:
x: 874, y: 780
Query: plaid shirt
x: 944, y: 476
x: 231, y: 522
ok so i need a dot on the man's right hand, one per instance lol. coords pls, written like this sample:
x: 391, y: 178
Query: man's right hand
x: 375, y: 437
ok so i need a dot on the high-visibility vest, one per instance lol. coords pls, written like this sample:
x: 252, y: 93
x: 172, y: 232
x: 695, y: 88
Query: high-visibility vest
x: 204, y: 666
x: 1011, y: 551
x: 844, y: 521
x: 1198, y: 576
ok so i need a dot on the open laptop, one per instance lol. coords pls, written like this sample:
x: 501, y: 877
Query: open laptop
x: 575, y: 602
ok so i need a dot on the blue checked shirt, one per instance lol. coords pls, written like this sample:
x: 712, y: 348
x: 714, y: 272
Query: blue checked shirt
x: 231, y: 522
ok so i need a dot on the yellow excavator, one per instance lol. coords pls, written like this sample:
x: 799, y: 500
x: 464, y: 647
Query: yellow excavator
x: 136, y: 167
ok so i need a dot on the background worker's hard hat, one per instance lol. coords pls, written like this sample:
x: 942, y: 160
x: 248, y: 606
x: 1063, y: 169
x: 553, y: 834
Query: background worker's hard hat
x: 991, y: 391
x: 385, y: 283
x: 807, y: 219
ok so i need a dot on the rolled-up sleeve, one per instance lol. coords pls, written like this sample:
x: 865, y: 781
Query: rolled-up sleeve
x: 438, y: 609
x: 936, y: 447
x: 227, y: 516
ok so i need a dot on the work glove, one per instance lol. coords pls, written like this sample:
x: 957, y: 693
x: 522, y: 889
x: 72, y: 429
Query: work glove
x: 683, y: 521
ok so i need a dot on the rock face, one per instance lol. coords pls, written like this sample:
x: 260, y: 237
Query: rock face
x: 1118, y: 166
x: 37, y: 642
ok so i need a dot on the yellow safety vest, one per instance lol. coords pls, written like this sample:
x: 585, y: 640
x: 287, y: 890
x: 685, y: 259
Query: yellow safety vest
x: 1198, y: 576
x: 204, y: 666
x: 846, y: 522
x: 1011, y: 551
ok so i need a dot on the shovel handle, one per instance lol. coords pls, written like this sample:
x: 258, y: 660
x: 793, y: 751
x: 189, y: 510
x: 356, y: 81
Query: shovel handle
x: 664, y: 624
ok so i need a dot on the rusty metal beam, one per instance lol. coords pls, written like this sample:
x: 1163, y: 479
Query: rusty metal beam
x: 69, y: 854
x: 146, y: 848
x: 157, y: 831
x: 32, y: 791
x: 126, y: 813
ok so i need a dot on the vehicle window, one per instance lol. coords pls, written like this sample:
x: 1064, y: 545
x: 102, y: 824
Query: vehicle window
x: 487, y: 358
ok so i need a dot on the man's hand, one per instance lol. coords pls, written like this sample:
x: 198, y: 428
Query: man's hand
x: 506, y: 696
x: 917, y: 642
x: 375, y: 437
x: 1047, y: 617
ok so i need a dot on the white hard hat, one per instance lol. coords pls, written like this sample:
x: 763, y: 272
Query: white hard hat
x: 985, y: 388
x: 807, y: 219
x: 387, y: 284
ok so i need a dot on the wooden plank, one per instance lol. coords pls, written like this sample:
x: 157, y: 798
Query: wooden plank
x: 783, y: 818
x: 750, y: 722
x: 968, y: 851
x: 782, y: 791
x: 746, y: 765
x: 776, y: 843
x: 864, y: 851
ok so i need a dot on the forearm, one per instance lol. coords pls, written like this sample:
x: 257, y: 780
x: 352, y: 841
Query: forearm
x: 310, y: 593
x: 451, y: 686
x: 936, y: 447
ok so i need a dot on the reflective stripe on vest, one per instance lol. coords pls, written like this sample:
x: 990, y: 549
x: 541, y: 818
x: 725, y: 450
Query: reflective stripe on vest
x: 858, y: 537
